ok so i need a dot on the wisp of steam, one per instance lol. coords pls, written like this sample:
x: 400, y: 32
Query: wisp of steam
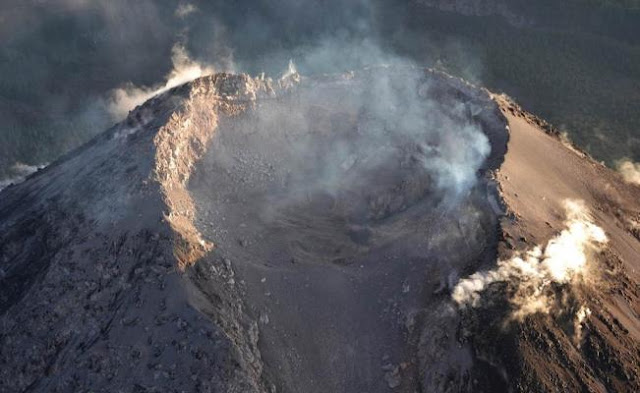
x: 185, y: 69
x: 630, y: 171
x: 563, y: 260
x: 19, y: 172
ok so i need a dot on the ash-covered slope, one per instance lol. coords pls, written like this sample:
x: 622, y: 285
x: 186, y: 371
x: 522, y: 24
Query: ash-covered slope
x: 306, y: 235
x: 93, y: 250
x: 577, y: 328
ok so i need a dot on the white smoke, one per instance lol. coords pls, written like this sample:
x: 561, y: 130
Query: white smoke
x: 583, y: 313
x: 629, y: 170
x: 185, y: 9
x: 563, y: 260
x: 18, y: 173
x: 185, y: 69
x: 290, y: 71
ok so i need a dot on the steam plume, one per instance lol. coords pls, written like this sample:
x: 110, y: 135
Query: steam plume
x: 582, y: 314
x: 19, y: 172
x: 185, y: 9
x: 184, y: 70
x: 291, y: 70
x: 630, y: 171
x: 561, y: 261
x: 403, y: 112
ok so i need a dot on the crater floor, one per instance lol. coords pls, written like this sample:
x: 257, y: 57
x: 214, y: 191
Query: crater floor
x: 342, y: 231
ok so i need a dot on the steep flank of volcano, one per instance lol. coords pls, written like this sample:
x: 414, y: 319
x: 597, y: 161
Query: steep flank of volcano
x: 580, y: 333
x: 92, y: 252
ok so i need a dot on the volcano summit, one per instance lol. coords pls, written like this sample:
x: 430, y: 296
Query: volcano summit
x: 388, y: 229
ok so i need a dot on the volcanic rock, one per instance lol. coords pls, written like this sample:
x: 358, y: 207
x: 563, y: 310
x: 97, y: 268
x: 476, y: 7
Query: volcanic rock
x: 240, y: 234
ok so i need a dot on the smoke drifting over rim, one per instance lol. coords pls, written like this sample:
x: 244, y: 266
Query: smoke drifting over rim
x: 380, y: 117
x: 563, y: 260
x: 185, y: 69
x: 18, y: 173
x: 70, y: 68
